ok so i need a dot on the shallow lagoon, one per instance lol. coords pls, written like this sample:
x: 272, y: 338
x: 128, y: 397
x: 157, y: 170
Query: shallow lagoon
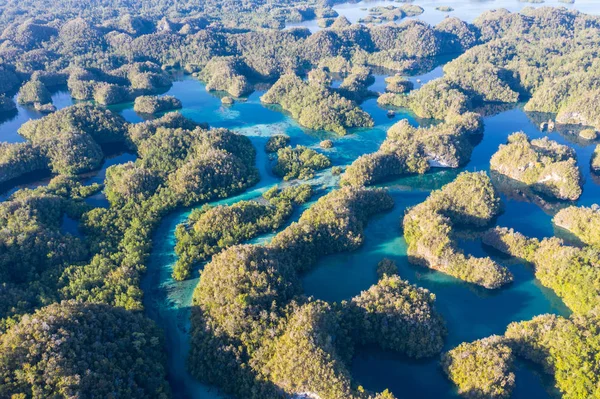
x: 470, y: 312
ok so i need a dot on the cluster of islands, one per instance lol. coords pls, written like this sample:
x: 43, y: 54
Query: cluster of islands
x: 74, y: 321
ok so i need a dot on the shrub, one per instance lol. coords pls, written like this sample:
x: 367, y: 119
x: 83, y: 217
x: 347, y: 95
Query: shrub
x: 326, y: 144
x: 336, y: 170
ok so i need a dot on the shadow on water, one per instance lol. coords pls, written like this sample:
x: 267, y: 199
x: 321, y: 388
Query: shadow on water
x: 470, y: 312
x: 12, y: 121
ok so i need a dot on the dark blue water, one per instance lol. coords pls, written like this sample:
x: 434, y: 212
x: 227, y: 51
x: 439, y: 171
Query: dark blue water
x: 470, y: 312
x: 11, y: 122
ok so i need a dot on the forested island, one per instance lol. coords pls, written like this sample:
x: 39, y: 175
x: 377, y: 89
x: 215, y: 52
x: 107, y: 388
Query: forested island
x: 545, y: 165
x: 74, y: 314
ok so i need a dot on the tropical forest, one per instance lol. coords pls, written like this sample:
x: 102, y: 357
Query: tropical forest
x: 300, y: 199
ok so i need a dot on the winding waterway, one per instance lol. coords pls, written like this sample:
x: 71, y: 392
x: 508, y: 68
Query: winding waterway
x: 470, y: 312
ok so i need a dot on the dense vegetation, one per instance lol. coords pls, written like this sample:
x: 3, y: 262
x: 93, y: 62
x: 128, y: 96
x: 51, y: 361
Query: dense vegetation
x: 566, y: 348
x: 407, y: 149
x: 437, y: 100
x: 299, y: 162
x: 34, y: 92
x: 249, y: 312
x: 178, y: 165
x: 540, y: 54
x: 254, y: 333
x: 569, y: 271
x: 17, y: 160
x: 118, y: 85
x: 355, y: 85
x: 34, y: 251
x: 155, y: 104
x: 227, y: 74
x: 391, y: 13
x: 71, y: 138
x: 397, y: 316
x: 386, y: 267
x: 116, y: 52
x: 481, y: 369
x: 209, y: 230
x: 277, y: 142
x: 398, y: 84
x: 545, y: 165
x: 469, y: 200
x: 315, y: 106
x: 73, y: 349
x: 582, y: 222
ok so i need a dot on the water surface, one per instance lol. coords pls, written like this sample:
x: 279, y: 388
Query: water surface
x: 470, y: 312
x: 466, y: 10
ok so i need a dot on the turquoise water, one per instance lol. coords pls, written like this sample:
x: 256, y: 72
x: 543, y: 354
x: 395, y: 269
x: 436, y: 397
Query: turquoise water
x: 467, y: 10
x: 470, y: 312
